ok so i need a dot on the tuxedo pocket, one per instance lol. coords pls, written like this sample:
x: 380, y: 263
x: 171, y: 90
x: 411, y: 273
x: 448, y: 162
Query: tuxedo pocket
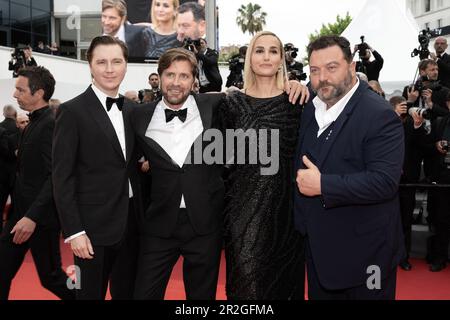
x: 91, y: 198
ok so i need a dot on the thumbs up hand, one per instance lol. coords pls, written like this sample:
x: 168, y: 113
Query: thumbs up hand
x: 308, y: 180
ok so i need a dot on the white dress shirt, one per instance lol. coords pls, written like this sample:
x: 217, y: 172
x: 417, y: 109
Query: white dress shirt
x: 115, y: 115
x: 326, y: 117
x: 176, y: 137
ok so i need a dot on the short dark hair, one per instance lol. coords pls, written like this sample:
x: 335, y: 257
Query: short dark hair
x: 177, y: 54
x: 396, y: 100
x: 119, y: 5
x: 331, y: 41
x: 39, y: 78
x: 423, y: 65
x: 152, y: 74
x: 106, y: 41
x: 447, y: 98
x: 198, y: 11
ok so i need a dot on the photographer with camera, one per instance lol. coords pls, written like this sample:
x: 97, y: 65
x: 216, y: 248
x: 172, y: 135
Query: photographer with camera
x: 428, y: 88
x: 236, y: 66
x: 371, y: 68
x: 415, y: 140
x: 191, y: 30
x: 443, y: 60
x: 438, y: 248
x: 209, y: 76
x: 294, y: 68
x: 21, y: 58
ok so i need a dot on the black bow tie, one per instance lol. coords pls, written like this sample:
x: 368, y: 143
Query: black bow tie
x: 171, y: 114
x: 119, y: 102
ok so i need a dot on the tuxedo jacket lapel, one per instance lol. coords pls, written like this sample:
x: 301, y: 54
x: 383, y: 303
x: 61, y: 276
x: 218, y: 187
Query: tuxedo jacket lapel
x: 98, y: 113
x: 129, y: 138
x: 142, y: 131
x: 205, y: 110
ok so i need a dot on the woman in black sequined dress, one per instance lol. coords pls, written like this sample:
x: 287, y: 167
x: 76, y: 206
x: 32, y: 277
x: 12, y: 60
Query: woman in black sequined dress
x: 264, y: 254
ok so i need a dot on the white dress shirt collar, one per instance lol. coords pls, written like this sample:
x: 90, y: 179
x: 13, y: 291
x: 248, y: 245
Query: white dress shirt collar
x: 189, y: 104
x: 326, y: 117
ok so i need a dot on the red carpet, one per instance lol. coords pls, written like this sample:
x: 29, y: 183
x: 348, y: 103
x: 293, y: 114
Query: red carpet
x: 418, y: 284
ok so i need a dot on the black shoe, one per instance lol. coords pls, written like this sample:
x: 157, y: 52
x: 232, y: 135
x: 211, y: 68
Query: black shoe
x: 436, y: 267
x: 405, y: 265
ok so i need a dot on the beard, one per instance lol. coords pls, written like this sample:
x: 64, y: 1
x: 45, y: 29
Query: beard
x: 336, y: 92
x: 175, y: 99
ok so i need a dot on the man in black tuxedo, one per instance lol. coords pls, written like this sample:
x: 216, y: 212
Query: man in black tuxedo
x: 114, y: 23
x: 95, y: 178
x: 8, y: 159
x: 7, y: 128
x: 184, y: 217
x: 443, y: 60
x: 34, y: 223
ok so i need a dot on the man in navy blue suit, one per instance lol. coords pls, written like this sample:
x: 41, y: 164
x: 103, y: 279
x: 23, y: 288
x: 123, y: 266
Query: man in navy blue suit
x: 349, y: 162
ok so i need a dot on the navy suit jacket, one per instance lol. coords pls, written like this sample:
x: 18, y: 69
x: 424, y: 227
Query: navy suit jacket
x: 356, y: 223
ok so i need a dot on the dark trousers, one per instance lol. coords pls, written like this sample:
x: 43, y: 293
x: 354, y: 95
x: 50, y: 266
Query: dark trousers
x: 317, y: 292
x: 407, y: 197
x: 116, y: 264
x: 44, y: 246
x: 442, y: 226
x: 200, y: 267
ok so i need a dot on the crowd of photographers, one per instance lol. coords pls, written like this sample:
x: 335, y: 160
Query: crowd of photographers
x: 424, y: 111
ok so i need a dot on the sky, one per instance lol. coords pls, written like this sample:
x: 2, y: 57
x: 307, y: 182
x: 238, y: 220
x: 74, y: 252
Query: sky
x: 291, y: 20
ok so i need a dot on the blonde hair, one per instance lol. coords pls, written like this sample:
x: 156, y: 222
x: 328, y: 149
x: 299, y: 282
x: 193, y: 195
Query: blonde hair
x: 119, y: 5
x: 249, y: 75
x: 175, y: 3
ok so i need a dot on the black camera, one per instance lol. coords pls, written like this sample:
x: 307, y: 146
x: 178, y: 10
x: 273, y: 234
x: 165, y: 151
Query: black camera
x: 191, y: 45
x: 18, y: 56
x: 18, y: 60
x: 425, y: 84
x: 362, y: 48
x: 291, y: 51
x: 424, y: 41
x: 423, y: 112
x: 236, y: 63
x: 295, y: 74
